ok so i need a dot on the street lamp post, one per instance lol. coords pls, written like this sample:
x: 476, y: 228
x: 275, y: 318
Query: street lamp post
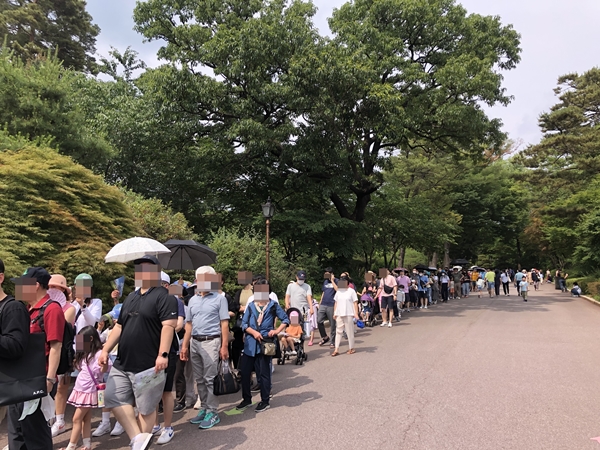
x: 268, y: 209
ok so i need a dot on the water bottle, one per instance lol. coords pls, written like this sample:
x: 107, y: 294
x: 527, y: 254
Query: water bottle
x: 101, y: 388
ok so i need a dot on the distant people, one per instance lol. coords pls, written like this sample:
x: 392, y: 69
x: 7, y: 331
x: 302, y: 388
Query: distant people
x: 524, y: 287
x: 346, y: 311
x: 535, y: 278
x: 505, y: 280
x: 388, y: 288
x: 520, y: 277
x: 326, y: 307
x: 444, y: 280
x: 465, y: 284
x: 576, y: 290
x: 46, y: 316
x: 148, y: 316
x: 490, y: 277
x: 497, y: 282
x: 456, y: 276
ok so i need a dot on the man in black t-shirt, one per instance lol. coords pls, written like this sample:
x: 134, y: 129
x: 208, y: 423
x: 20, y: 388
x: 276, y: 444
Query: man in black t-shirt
x: 144, y: 333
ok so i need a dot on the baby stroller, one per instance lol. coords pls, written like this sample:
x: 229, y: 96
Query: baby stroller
x: 370, y: 310
x: 296, y: 318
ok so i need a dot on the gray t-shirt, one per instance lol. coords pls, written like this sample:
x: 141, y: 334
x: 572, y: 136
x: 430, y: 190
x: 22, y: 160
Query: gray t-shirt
x: 205, y: 314
x: 299, y: 295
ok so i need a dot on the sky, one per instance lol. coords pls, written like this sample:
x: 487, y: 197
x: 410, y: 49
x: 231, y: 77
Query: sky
x: 557, y: 37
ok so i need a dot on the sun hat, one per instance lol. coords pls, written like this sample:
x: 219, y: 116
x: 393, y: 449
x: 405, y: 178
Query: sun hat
x: 60, y: 282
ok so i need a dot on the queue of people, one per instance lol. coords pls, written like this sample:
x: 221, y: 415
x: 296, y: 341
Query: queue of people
x: 159, y: 350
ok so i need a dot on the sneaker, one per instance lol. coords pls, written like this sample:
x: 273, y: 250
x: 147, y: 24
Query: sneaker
x: 166, y: 436
x: 293, y: 353
x: 103, y: 428
x: 58, y: 428
x: 118, y: 430
x: 288, y: 353
x: 156, y: 429
x: 197, y: 405
x: 383, y: 324
x: 179, y: 407
x: 262, y: 407
x: 210, y: 420
x: 243, y: 406
x: 142, y: 442
x: 425, y: 307
x: 199, y: 418
x: 390, y: 325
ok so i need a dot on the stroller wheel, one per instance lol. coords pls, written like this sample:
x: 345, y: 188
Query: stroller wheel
x: 279, y: 362
x: 306, y: 357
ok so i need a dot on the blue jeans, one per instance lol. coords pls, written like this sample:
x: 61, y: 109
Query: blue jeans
x: 465, y: 289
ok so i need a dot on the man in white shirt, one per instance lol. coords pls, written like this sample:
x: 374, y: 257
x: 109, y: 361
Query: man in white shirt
x: 299, y: 294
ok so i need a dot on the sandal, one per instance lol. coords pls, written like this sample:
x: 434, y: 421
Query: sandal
x: 351, y: 351
x: 334, y: 353
x: 324, y: 341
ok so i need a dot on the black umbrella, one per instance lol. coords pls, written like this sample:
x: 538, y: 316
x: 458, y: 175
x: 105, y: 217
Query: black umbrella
x: 460, y: 262
x: 186, y: 255
x: 421, y: 267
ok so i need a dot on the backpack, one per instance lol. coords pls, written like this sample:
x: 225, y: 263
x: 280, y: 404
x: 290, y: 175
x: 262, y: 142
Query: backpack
x: 67, y: 353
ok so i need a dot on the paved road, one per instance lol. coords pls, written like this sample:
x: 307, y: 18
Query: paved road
x: 472, y: 374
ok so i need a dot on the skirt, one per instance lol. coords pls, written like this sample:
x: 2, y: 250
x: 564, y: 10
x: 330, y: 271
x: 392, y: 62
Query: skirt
x: 83, y: 399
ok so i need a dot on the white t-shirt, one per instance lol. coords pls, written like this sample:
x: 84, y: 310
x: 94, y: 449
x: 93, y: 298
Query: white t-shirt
x: 504, y: 278
x: 89, y: 316
x: 344, y: 302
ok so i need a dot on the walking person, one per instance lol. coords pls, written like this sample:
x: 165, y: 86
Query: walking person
x: 346, y: 311
x: 497, y: 282
x: 388, y: 287
x: 326, y: 307
x: 524, y: 289
x: 206, y: 336
x: 258, y: 324
x: 444, y: 281
x: 520, y: 277
x: 505, y: 280
x: 490, y: 278
x: 456, y: 276
x: 465, y: 283
x: 84, y: 396
x: 45, y: 316
x: 148, y: 315
x: 299, y: 294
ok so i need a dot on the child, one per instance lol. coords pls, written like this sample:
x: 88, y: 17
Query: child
x: 312, y: 319
x: 524, y: 288
x: 292, y: 332
x: 480, y: 286
x: 413, y: 294
x: 85, y: 393
x: 576, y: 291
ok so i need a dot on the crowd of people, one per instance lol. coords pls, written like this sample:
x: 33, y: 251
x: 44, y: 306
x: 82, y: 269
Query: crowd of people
x: 158, y: 351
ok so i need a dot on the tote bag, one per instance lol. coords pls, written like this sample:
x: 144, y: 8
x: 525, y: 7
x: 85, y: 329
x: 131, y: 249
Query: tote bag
x: 227, y: 380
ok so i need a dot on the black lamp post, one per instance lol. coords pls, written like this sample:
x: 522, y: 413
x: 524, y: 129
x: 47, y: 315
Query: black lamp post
x: 268, y: 209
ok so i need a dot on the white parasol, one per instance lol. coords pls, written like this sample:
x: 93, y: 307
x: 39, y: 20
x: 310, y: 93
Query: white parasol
x: 134, y: 248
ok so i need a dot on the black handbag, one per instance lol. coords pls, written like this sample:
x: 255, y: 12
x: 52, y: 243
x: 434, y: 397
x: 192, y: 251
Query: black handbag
x: 227, y: 380
x: 24, y: 379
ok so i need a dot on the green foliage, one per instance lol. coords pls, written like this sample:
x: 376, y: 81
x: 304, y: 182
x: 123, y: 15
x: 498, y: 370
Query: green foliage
x: 36, y: 28
x: 59, y: 215
x: 157, y: 220
x: 37, y: 102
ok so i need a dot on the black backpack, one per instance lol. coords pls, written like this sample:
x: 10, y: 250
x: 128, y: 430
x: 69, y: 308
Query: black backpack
x: 67, y: 353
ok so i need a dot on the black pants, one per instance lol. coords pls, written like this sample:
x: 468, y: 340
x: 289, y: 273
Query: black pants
x: 444, y: 292
x: 32, y: 433
x: 180, y: 385
x: 262, y: 366
x: 506, y: 287
x: 497, y: 289
x: 326, y: 313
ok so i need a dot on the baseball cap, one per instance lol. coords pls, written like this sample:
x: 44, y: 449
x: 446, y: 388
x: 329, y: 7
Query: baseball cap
x: 301, y: 275
x: 147, y: 259
x: 39, y: 274
x: 165, y: 278
x: 83, y: 276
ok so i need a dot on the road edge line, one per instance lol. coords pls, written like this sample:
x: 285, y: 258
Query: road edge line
x: 590, y: 299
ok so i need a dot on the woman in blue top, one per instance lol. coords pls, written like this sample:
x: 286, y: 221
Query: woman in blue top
x: 258, y: 323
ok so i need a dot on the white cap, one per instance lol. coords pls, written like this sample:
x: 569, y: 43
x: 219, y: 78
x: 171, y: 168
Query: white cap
x: 165, y: 278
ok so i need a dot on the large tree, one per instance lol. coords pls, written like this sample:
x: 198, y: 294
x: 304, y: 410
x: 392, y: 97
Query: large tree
x: 35, y: 27
x: 294, y: 112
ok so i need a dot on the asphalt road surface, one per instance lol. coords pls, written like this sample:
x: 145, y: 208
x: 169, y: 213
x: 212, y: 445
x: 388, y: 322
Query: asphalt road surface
x: 471, y: 374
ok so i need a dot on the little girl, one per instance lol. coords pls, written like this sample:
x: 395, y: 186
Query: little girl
x: 312, y: 319
x: 85, y: 393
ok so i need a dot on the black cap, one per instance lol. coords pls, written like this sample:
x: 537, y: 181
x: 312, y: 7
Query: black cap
x: 301, y: 275
x: 39, y: 274
x: 147, y: 259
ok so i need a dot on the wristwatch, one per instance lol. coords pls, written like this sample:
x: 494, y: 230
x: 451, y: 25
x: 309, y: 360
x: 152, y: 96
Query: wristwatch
x: 164, y: 354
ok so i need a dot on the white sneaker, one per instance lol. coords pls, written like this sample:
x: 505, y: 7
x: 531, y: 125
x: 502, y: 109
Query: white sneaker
x: 293, y: 353
x: 142, y: 442
x: 425, y: 307
x: 103, y: 428
x: 383, y: 324
x: 118, y: 430
x: 166, y: 436
x: 390, y: 325
x: 197, y: 405
x: 58, y: 428
x: 156, y: 429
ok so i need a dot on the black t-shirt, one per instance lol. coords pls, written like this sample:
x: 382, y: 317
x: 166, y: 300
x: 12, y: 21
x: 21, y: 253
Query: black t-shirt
x: 14, y: 328
x: 141, y: 322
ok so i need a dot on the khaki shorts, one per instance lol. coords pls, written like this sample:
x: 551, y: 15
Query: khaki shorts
x: 120, y: 391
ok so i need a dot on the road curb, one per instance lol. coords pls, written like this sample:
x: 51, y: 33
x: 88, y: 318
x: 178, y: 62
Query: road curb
x: 590, y: 299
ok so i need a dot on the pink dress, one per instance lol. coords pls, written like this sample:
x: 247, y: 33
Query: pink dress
x: 84, y: 393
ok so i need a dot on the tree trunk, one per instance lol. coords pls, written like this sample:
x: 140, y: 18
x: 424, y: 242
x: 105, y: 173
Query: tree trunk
x: 519, y: 254
x: 402, y: 253
x: 434, y: 260
x: 446, y: 254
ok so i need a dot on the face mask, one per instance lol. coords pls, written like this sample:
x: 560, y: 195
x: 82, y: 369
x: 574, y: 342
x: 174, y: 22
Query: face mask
x: 300, y: 282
